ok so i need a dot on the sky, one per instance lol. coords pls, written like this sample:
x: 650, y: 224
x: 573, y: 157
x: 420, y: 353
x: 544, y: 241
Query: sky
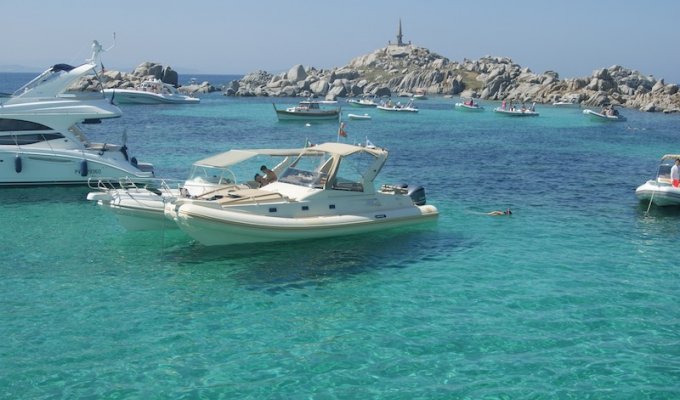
x: 570, y: 37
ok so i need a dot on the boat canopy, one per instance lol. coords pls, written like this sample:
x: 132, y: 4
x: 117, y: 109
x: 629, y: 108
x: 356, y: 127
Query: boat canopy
x: 344, y: 149
x: 232, y: 157
x: 670, y: 157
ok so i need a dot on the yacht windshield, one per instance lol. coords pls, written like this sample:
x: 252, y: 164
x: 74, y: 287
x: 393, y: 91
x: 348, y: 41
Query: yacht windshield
x: 49, y: 75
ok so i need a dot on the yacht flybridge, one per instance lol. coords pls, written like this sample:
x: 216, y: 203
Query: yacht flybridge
x: 41, y: 141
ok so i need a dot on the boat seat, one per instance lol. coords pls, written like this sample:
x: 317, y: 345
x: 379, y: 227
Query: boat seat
x: 250, y: 196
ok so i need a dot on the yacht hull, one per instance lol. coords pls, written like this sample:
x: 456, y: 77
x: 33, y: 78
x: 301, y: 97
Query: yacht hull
x: 61, y: 167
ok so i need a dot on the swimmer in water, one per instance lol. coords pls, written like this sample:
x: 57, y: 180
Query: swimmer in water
x: 506, y: 212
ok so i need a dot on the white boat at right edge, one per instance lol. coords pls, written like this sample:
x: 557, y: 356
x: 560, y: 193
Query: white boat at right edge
x: 660, y: 191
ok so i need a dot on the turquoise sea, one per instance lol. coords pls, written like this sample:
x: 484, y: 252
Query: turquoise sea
x: 575, y: 296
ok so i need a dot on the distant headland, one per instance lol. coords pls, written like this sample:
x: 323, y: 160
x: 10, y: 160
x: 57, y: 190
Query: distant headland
x: 401, y: 69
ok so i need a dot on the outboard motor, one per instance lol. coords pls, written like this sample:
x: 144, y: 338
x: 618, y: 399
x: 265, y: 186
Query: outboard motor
x: 417, y: 194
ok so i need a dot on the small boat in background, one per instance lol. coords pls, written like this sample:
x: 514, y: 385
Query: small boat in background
x: 608, y: 114
x: 307, y: 110
x: 398, y: 107
x: 660, y: 190
x: 573, y: 103
x: 363, y: 102
x: 152, y: 91
x: 359, y: 117
x: 468, y: 104
x: 420, y: 94
x: 516, y: 112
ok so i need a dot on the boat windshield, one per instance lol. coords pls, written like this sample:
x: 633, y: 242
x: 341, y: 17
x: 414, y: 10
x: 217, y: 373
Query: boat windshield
x: 352, y: 172
x: 207, y: 174
x: 310, y: 170
x: 51, y: 74
x: 63, y: 80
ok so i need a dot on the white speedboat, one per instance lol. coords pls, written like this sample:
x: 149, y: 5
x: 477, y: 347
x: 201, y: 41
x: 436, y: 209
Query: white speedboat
x: 359, y: 116
x: 363, y: 102
x: 660, y: 191
x: 516, y: 112
x: 573, y: 103
x: 398, y: 107
x: 140, y: 207
x: 41, y: 137
x: 308, y: 110
x: 607, y: 115
x: 153, y: 91
x: 327, y: 191
x: 468, y: 104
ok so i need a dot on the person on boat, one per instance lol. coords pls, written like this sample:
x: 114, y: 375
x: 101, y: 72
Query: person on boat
x: 260, y: 180
x: 675, y: 173
x: 498, y: 212
x: 269, y: 175
x: 503, y: 105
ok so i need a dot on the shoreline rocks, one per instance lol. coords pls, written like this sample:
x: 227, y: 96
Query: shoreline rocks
x: 402, y: 70
x: 407, y: 69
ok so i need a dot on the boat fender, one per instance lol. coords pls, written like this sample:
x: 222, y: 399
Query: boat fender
x: 417, y: 194
x: 17, y: 164
x: 133, y: 161
x: 83, y: 168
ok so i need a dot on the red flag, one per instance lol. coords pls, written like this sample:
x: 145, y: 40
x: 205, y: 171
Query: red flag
x: 341, y: 130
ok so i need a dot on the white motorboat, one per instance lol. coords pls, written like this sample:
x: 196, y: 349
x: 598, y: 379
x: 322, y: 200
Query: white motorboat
x: 41, y: 137
x: 359, y: 117
x: 468, y: 104
x: 153, y: 91
x: 140, y: 207
x: 307, y: 110
x: 660, y: 190
x: 607, y: 115
x: 363, y: 102
x: 327, y: 191
x: 573, y: 103
x: 398, y: 107
x: 516, y: 112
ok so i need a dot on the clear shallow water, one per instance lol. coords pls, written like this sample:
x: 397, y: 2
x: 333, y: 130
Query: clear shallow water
x: 574, y: 296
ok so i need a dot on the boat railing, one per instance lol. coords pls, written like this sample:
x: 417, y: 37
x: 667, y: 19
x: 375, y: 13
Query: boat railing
x: 157, y: 185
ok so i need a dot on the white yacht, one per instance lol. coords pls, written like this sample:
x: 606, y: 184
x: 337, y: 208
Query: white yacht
x: 328, y: 190
x: 152, y: 91
x: 140, y: 207
x: 660, y: 190
x: 41, y: 141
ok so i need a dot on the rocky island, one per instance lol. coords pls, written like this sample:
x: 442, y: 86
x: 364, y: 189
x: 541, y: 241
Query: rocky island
x: 401, y: 69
